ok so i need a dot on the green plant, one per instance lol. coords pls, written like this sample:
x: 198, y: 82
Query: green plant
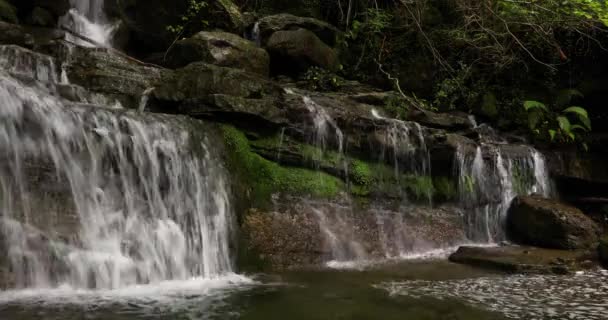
x: 568, y: 125
x: 192, y: 15
x: 320, y: 79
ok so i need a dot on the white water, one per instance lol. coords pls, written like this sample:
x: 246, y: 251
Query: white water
x: 148, y: 200
x: 488, y: 183
x: 87, y: 18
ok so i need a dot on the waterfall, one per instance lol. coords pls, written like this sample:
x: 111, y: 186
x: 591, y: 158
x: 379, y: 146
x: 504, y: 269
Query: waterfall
x: 489, y: 180
x: 95, y: 197
x: 87, y: 18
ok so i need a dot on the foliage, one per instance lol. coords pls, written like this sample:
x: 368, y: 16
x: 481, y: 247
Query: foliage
x: 361, y: 173
x: 320, y: 79
x: 568, y: 125
x: 192, y: 16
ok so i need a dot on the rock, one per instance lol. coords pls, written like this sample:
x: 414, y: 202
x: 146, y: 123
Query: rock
x: 102, y: 71
x: 537, y: 221
x: 440, y: 120
x: 222, y: 49
x: 148, y: 21
x: 602, y: 251
x: 56, y: 8
x: 295, y: 51
x: 527, y: 260
x: 8, y: 13
x: 41, y: 17
x: 287, y: 22
x: 290, y: 236
x: 15, y: 34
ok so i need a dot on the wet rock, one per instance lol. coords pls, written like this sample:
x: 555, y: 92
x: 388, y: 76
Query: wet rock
x: 440, y: 120
x: 295, y: 51
x: 103, y: 71
x: 222, y: 49
x: 287, y: 22
x: 8, y: 13
x: 300, y: 233
x: 15, y: 34
x: 537, y: 221
x: 527, y: 260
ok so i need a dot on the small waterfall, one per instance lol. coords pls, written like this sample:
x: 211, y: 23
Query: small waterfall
x: 87, y: 18
x: 255, y: 34
x: 325, y: 127
x: 143, y: 102
x: 489, y: 180
x: 98, y: 198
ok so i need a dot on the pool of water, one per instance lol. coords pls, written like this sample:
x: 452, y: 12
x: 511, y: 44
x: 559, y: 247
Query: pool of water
x: 433, y: 290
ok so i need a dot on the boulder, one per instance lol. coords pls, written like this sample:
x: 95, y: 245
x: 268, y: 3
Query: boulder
x: 56, y: 8
x: 295, y: 51
x: 222, y: 49
x: 8, y: 13
x: 527, y: 260
x: 287, y: 22
x: 537, y: 221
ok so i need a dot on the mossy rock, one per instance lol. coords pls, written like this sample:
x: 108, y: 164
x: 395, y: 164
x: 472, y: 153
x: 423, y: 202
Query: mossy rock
x: 8, y: 13
x: 263, y: 177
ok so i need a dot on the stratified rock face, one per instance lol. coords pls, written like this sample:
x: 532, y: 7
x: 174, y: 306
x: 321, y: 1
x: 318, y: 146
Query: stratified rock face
x: 222, y: 49
x: 285, y: 22
x: 14, y: 34
x: 101, y: 71
x: 297, y: 50
x: 547, y: 223
x: 300, y: 233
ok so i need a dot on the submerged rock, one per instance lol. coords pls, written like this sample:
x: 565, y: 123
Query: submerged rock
x: 547, y: 223
x: 516, y: 259
x: 297, y: 50
x: 222, y: 49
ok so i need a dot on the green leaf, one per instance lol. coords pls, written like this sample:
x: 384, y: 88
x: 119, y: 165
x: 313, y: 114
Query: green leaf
x: 576, y: 126
x: 532, y: 105
x: 580, y: 111
x: 564, y: 124
x: 534, y: 118
x: 552, y: 134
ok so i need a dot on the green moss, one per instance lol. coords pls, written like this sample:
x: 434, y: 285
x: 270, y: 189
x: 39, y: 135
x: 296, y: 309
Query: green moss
x: 421, y: 187
x: 264, y: 177
x: 361, y: 173
x: 445, y: 188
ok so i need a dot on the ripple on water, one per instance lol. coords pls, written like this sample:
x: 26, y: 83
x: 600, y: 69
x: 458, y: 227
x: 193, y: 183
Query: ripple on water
x: 581, y: 296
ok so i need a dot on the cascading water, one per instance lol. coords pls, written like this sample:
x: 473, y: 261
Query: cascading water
x: 87, y: 18
x: 488, y: 186
x: 148, y: 200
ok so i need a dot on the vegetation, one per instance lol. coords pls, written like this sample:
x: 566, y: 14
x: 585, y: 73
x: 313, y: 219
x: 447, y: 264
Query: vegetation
x: 568, y: 125
x: 265, y: 177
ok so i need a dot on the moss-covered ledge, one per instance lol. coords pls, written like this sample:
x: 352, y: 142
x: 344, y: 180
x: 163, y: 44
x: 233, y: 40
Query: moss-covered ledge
x: 262, y: 178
